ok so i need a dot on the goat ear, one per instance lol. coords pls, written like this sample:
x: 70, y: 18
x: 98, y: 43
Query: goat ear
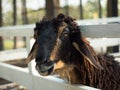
x: 32, y: 53
x: 88, y: 53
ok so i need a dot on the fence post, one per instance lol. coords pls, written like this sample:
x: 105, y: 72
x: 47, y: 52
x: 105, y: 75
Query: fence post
x: 29, y: 64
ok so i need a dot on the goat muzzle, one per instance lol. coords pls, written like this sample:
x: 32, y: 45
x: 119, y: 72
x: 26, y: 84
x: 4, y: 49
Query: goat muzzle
x: 46, y: 68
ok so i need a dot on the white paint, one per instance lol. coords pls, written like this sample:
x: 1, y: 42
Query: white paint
x: 13, y: 54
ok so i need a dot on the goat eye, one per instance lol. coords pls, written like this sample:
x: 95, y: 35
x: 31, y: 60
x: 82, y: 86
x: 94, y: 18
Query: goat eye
x: 65, y: 32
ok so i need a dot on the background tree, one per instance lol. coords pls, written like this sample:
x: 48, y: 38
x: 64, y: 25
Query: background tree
x: 24, y: 12
x: 66, y: 7
x: 1, y: 21
x: 112, y: 8
x: 100, y: 8
x: 24, y: 16
x: 52, y: 8
x: 92, y: 9
x: 81, y: 10
x: 14, y: 22
x: 14, y: 13
x: 1, y: 13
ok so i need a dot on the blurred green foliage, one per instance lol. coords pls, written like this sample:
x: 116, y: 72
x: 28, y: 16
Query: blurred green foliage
x: 90, y: 11
x: 8, y: 44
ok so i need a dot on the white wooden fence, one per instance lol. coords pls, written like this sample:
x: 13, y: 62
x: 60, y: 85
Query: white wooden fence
x: 28, y: 76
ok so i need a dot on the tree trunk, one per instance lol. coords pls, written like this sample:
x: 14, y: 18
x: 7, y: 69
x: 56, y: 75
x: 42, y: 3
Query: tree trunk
x: 112, y: 8
x: 66, y: 8
x: 24, y: 12
x: 1, y: 44
x: 81, y: 10
x: 15, y: 21
x: 24, y: 16
x: 1, y: 13
x: 52, y: 8
x: 14, y: 13
x: 1, y: 21
x: 100, y: 9
x: 57, y: 7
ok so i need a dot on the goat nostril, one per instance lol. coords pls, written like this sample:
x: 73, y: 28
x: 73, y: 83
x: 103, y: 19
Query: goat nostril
x: 38, y: 60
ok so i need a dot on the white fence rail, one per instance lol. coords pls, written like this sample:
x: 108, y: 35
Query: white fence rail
x: 31, y: 80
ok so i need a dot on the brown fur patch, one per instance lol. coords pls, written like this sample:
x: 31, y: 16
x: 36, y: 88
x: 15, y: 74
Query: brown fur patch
x: 60, y: 64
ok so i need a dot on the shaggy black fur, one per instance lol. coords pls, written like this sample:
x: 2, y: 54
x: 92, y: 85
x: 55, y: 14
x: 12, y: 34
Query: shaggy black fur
x: 103, y: 74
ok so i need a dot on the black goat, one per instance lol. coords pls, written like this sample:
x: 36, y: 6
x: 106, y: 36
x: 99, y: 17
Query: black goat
x: 60, y: 48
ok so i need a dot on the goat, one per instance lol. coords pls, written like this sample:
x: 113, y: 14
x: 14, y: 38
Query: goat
x: 60, y: 48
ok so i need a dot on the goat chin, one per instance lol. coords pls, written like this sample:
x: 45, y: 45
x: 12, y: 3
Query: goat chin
x: 45, y: 70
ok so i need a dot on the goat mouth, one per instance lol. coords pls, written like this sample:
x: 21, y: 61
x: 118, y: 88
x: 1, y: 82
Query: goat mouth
x: 45, y: 69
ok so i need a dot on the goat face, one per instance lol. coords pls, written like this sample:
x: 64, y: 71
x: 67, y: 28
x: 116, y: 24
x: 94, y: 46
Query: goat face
x: 54, y: 44
x: 50, y: 47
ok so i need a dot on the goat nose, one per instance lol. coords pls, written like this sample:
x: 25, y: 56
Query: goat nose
x: 40, y: 60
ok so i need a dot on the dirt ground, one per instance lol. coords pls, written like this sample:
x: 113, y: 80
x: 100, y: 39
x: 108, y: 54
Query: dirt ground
x: 7, y: 85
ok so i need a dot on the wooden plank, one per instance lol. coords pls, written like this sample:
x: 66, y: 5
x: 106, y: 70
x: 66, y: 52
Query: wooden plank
x: 33, y: 82
x: 99, y: 21
x: 94, y: 31
x: 16, y: 74
x: 13, y: 54
x: 81, y: 87
x: 53, y: 83
x: 21, y: 30
x: 100, y: 31
x: 117, y: 55
x: 46, y: 84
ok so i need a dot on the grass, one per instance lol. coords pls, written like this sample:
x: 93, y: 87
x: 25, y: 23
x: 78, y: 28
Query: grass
x: 8, y: 44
